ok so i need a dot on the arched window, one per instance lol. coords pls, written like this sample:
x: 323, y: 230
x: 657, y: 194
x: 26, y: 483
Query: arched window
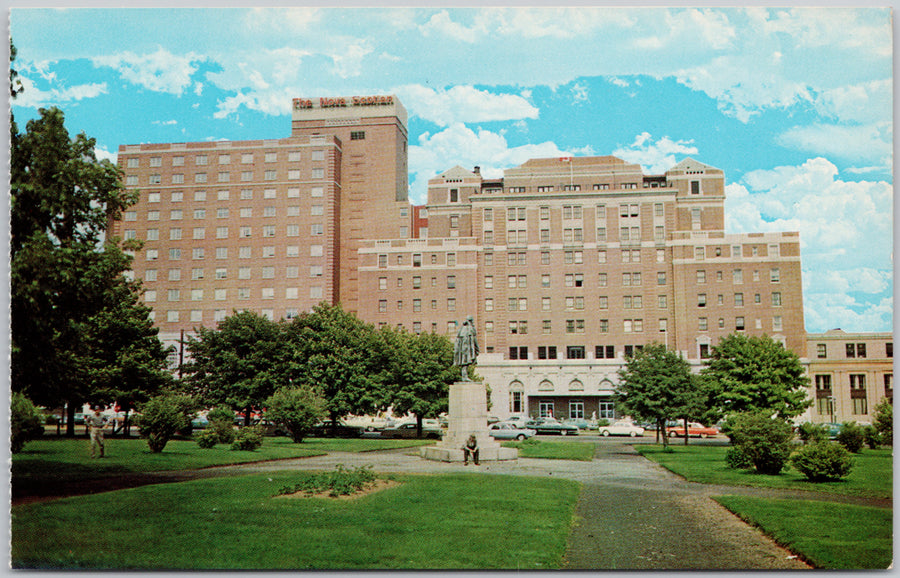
x: 545, y: 385
x: 576, y: 385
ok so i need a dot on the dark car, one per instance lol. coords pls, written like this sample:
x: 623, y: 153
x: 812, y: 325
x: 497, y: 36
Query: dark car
x: 548, y: 425
x: 327, y: 429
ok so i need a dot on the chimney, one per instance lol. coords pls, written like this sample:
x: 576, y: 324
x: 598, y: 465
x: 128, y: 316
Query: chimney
x: 477, y: 170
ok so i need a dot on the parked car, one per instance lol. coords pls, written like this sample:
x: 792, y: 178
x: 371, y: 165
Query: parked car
x: 408, y: 430
x: 621, y: 428
x: 694, y: 430
x: 326, y: 429
x: 580, y: 423
x: 504, y: 430
x: 518, y: 420
x: 549, y: 425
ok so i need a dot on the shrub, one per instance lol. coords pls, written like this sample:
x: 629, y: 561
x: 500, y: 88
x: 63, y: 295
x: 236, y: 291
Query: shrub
x: 26, y: 422
x: 602, y: 422
x: 207, y: 439
x: 297, y: 409
x: 248, y: 439
x: 163, y: 416
x: 872, y: 437
x: 766, y: 441
x: 221, y: 423
x: 822, y: 461
x: 851, y: 436
x: 812, y: 432
x: 736, y: 458
x: 343, y: 481
x: 884, y: 421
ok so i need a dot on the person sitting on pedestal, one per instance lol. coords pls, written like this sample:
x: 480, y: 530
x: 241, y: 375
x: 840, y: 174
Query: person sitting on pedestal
x: 471, y: 447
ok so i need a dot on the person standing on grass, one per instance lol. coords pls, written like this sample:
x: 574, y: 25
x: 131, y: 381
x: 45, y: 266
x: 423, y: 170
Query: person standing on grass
x: 471, y: 448
x: 95, y: 424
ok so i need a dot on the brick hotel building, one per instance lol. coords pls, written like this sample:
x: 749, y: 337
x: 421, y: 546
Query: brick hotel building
x: 567, y: 264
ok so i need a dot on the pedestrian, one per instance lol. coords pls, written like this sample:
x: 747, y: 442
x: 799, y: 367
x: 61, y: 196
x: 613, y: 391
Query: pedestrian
x: 95, y: 424
x: 471, y: 447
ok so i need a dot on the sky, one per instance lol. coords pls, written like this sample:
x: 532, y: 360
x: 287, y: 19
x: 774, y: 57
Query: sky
x: 794, y: 104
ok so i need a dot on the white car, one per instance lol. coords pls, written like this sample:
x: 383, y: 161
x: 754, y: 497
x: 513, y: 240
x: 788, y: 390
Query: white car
x: 621, y: 428
x: 510, y: 431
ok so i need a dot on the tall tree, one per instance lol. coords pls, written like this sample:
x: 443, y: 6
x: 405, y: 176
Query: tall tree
x: 419, y: 373
x: 654, y: 386
x: 63, y: 276
x: 239, y: 364
x: 751, y: 374
x: 339, y: 355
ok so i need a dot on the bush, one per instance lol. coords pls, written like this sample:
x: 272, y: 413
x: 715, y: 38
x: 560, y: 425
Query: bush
x: 602, y: 422
x: 736, y: 458
x: 341, y: 482
x: 851, y: 436
x: 163, y: 416
x: 207, y: 439
x: 872, y: 437
x: 248, y: 439
x: 822, y: 461
x: 766, y: 441
x: 297, y: 409
x: 26, y: 422
x: 220, y: 421
x: 884, y: 421
x: 812, y: 432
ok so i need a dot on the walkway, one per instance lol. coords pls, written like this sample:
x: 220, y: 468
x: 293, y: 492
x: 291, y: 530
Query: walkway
x: 631, y: 514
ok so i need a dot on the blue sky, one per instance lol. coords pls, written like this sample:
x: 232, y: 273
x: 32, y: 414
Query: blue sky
x: 795, y: 105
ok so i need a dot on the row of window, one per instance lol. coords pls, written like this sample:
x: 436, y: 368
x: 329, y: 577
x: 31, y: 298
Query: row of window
x: 417, y: 282
x: 570, y: 235
x: 629, y: 279
x: 739, y: 299
x: 740, y: 323
x: 573, y: 352
x: 201, y: 196
x: 854, y: 350
x: 574, y: 326
x: 267, y: 252
x: 577, y: 187
x: 825, y: 400
x: 225, y: 177
x: 197, y: 273
x: 572, y: 212
x: 224, y: 159
x: 245, y: 232
x: 219, y: 315
x: 417, y: 305
x: 221, y: 294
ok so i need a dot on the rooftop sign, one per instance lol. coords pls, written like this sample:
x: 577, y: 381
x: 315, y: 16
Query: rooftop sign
x: 342, y: 101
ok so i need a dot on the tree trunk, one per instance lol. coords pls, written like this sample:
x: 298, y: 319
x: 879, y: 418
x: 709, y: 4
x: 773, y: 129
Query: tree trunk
x: 661, y: 427
x: 418, y: 426
x: 686, y: 432
x: 247, y: 413
x: 70, y: 419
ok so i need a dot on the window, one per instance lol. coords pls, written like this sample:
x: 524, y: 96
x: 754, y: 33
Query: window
x: 738, y: 276
x: 889, y: 349
x: 451, y: 281
x: 358, y: 135
x: 776, y: 299
x: 738, y: 299
x: 858, y: 393
x: 660, y: 278
x: 695, y: 187
x: 574, y: 352
x: 739, y: 323
x: 701, y: 276
x: 774, y: 275
x: 856, y: 350
x: 821, y: 350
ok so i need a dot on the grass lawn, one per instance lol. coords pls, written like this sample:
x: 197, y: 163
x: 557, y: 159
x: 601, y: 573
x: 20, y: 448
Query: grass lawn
x: 463, y: 521
x: 63, y: 459
x: 553, y: 450
x: 827, y: 535
x: 872, y: 473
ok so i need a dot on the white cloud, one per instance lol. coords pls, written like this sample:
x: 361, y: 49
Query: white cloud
x: 460, y: 145
x: 872, y: 142
x: 165, y: 122
x: 160, y: 71
x: 656, y: 157
x: 839, y: 310
x: 348, y: 60
x: 33, y: 97
x: 813, y: 27
x: 441, y: 24
x: 742, y: 87
x: 102, y: 153
x: 280, y: 20
x: 865, y: 102
x: 707, y: 27
x: 463, y: 104
x: 271, y: 102
x: 558, y: 22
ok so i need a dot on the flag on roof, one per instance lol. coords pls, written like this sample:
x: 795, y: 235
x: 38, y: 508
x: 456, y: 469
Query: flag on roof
x: 565, y: 159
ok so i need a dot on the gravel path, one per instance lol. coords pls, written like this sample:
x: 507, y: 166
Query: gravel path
x: 631, y: 514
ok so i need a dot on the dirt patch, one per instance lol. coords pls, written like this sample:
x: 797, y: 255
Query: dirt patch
x: 371, y: 488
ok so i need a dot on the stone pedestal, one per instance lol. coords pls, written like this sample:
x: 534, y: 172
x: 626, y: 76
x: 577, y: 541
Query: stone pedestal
x: 467, y: 415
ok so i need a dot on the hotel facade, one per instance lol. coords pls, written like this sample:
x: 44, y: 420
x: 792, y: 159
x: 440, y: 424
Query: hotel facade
x: 568, y: 265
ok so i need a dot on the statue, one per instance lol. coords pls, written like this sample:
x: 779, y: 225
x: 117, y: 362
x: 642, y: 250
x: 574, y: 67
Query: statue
x: 465, y: 349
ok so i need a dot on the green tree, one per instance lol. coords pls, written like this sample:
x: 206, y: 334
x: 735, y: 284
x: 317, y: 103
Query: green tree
x: 654, y: 385
x: 419, y: 373
x: 163, y: 416
x: 66, y: 284
x: 340, y: 356
x: 25, y: 422
x: 240, y: 363
x: 298, y: 409
x: 749, y: 374
x: 884, y: 421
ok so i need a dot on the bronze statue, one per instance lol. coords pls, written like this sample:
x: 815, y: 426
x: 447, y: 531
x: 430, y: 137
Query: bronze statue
x: 465, y: 349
